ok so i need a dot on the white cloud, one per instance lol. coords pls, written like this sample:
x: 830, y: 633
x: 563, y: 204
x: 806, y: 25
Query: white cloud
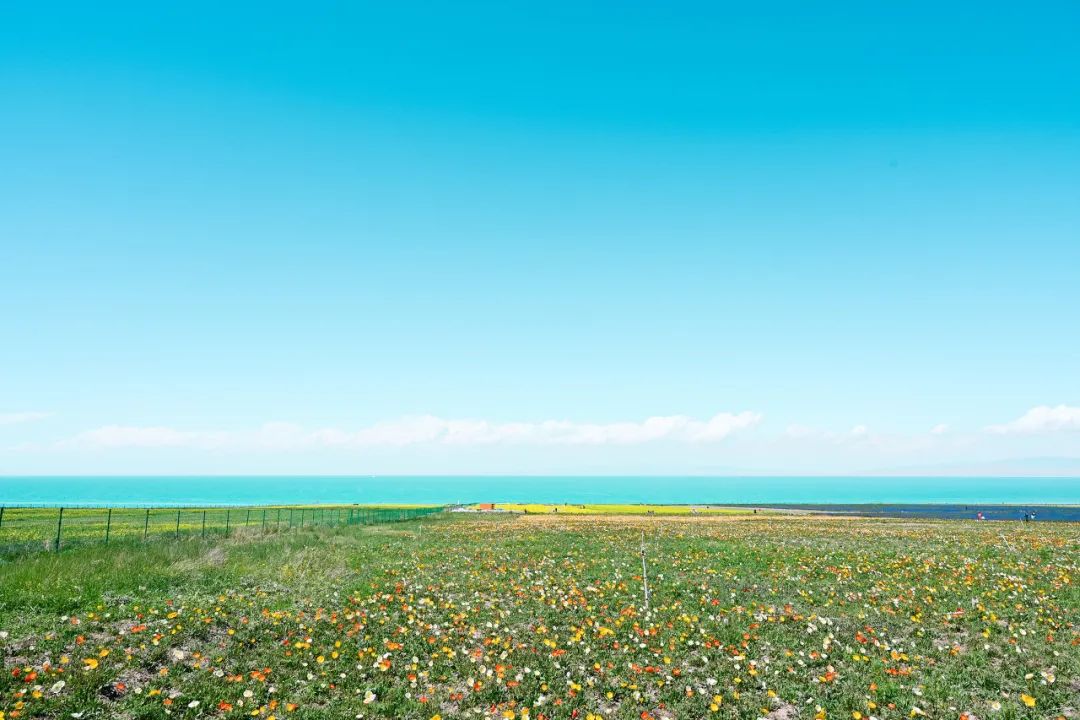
x: 858, y: 431
x: 1041, y: 419
x: 430, y: 429
x: 22, y: 417
x: 119, y: 436
x: 939, y: 429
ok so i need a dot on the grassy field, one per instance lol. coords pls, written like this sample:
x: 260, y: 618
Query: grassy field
x: 612, y: 509
x: 24, y: 529
x: 543, y: 616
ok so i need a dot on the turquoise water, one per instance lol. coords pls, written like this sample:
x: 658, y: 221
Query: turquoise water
x: 245, y: 490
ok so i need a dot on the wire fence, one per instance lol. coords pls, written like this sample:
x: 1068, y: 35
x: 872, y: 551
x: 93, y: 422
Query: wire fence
x: 29, y: 528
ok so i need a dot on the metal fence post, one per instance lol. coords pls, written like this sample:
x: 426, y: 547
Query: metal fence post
x: 247, y: 518
x: 177, y: 524
x: 1, y: 516
x: 264, y: 520
x: 204, y: 523
x: 108, y: 526
x: 59, y: 524
x: 227, y: 513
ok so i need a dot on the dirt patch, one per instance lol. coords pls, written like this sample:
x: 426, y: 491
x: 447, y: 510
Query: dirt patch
x: 783, y: 711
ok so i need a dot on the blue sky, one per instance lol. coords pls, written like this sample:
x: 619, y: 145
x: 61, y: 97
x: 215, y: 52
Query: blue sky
x: 500, y: 237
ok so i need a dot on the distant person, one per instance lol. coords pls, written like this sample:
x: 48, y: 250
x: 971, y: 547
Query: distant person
x: 980, y: 516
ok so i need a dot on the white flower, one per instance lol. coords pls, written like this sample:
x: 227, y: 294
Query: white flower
x: 369, y: 697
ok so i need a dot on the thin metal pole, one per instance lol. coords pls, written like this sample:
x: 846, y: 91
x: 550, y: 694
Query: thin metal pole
x: 264, y: 520
x: 177, y: 524
x: 644, y: 571
x: 247, y: 518
x: 146, y: 524
x: 227, y: 513
x: 1, y: 516
x: 59, y: 524
x: 204, y: 523
x: 108, y: 525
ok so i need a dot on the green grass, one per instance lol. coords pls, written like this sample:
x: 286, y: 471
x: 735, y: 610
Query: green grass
x: 542, y: 616
x: 24, y: 529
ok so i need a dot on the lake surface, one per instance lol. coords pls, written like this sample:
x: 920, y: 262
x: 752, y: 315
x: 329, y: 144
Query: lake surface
x: 250, y: 490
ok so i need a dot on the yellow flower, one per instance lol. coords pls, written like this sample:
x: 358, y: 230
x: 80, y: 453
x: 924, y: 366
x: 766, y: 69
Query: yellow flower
x: 91, y: 663
x: 1028, y: 700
